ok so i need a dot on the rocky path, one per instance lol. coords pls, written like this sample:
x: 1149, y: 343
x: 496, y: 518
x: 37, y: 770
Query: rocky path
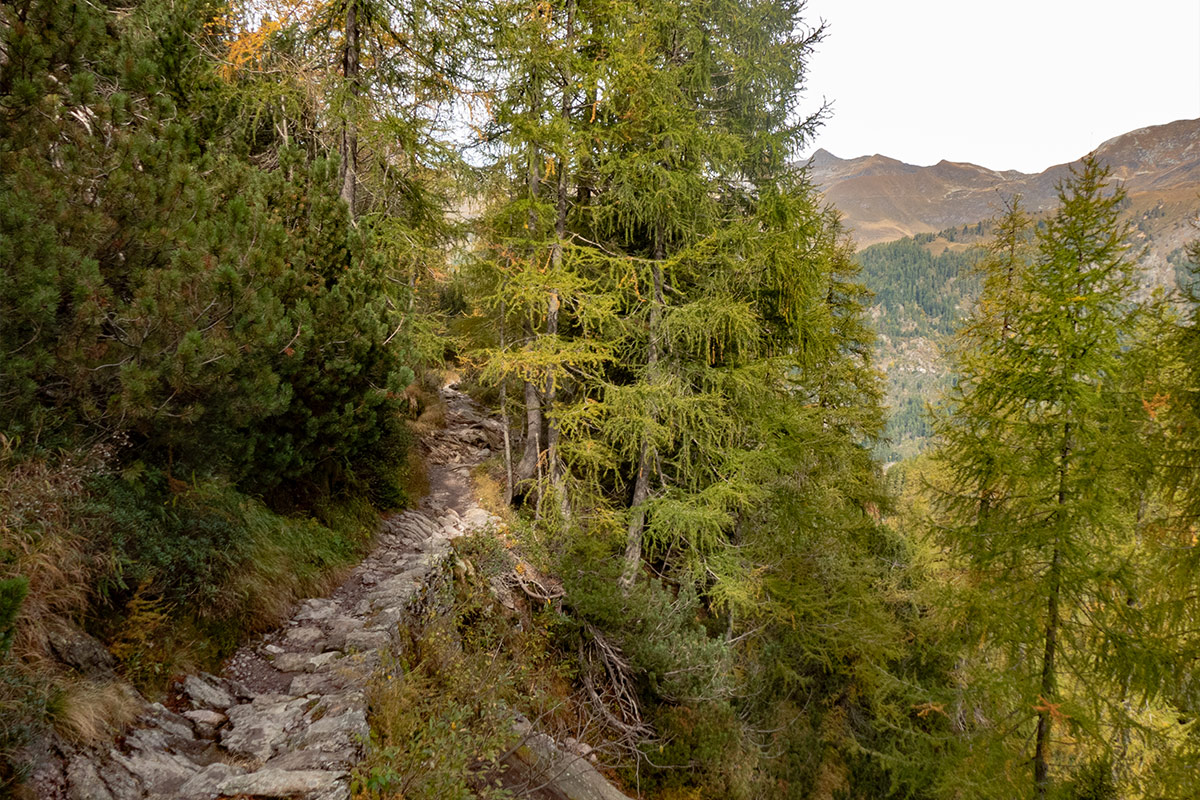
x: 288, y: 717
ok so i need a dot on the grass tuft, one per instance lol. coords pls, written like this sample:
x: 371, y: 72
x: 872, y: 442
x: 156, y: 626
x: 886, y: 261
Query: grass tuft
x: 89, y: 713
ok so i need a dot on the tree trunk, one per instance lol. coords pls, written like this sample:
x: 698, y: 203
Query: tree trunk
x: 527, y: 467
x: 641, y: 484
x: 530, y: 458
x: 350, y: 63
x: 1041, y: 753
x: 508, y: 465
x: 557, y: 477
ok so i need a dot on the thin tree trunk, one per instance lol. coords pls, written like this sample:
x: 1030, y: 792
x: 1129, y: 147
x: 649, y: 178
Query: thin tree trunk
x: 552, y: 433
x: 641, y: 484
x: 508, y: 465
x: 528, y: 466
x: 557, y: 478
x: 637, y: 519
x: 1041, y: 753
x: 350, y: 64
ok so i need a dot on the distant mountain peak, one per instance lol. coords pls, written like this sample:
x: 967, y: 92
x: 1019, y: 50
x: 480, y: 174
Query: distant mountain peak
x: 823, y: 157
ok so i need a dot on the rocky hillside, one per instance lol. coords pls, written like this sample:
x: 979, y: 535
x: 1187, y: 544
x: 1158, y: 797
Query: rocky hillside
x: 885, y: 199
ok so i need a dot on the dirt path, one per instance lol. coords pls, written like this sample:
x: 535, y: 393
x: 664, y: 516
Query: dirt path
x: 288, y: 716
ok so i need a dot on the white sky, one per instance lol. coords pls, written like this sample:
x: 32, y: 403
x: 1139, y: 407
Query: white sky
x: 1007, y: 84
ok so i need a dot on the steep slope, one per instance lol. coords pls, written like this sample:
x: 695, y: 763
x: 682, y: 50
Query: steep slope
x: 884, y: 199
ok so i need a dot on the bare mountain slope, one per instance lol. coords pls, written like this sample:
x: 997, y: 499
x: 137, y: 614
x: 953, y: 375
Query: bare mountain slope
x: 884, y: 199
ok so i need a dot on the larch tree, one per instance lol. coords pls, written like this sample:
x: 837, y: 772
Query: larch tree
x: 1040, y: 441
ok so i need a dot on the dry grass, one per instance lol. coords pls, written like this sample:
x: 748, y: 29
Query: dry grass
x: 94, y: 712
x: 41, y: 543
x: 432, y: 417
x: 281, y: 569
x: 488, y: 482
x: 415, y: 479
x: 441, y: 710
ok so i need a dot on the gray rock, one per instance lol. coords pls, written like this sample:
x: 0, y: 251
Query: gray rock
x: 397, y: 589
x: 342, y: 732
x: 339, y: 629
x: 315, y: 610
x: 83, y: 781
x: 367, y: 640
x: 306, y: 637
x: 316, y: 759
x: 272, y: 782
x: 333, y: 704
x: 172, y: 724
x: 205, y: 721
x: 161, y: 774
x: 388, y: 618
x: 205, y: 784
x: 340, y: 790
x: 255, y: 730
x: 291, y: 662
x: 566, y: 774
x: 120, y: 781
x: 207, y: 694
x: 477, y: 518
x: 76, y: 649
x: 147, y: 740
x: 320, y: 682
x: 326, y: 660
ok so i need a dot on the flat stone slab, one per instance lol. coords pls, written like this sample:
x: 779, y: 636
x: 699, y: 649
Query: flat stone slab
x: 206, y: 694
x: 274, y: 782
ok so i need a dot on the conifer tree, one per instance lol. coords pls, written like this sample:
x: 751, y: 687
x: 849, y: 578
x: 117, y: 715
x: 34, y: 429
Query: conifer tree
x: 1040, y: 441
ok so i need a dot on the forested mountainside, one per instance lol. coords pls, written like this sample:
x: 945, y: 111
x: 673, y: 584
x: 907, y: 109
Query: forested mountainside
x: 234, y: 292
x: 919, y: 300
x: 937, y: 220
x: 926, y: 284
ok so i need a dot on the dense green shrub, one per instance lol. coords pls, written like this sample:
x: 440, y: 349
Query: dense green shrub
x: 225, y: 318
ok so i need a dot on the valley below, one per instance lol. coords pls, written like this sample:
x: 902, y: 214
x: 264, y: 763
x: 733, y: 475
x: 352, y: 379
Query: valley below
x: 919, y: 230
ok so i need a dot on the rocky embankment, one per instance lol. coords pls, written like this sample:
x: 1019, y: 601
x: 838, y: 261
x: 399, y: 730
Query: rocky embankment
x: 288, y: 716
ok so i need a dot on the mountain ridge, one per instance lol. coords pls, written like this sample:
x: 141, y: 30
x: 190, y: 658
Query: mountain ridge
x: 883, y: 198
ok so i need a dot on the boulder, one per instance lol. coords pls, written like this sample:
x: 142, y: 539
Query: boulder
x: 570, y: 775
x: 160, y: 774
x: 206, y: 784
x: 84, y: 782
x: 256, y: 730
x: 205, y: 721
x: 207, y: 692
x: 81, y: 652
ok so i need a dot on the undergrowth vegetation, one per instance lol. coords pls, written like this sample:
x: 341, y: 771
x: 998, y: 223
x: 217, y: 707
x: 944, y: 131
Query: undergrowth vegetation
x: 443, y: 707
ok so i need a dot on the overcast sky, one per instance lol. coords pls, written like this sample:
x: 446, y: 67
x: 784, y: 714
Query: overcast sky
x: 1008, y: 84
